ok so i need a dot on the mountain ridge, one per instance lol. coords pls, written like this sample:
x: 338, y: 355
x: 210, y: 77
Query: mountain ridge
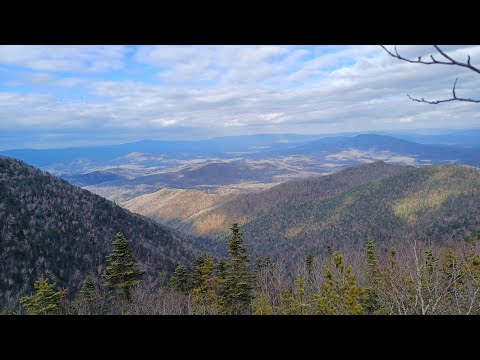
x: 51, y: 227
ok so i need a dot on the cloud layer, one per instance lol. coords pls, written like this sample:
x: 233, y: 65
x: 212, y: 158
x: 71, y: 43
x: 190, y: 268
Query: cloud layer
x: 201, y: 91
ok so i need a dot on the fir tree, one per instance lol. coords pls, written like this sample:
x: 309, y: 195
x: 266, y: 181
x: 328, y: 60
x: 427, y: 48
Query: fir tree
x: 287, y: 304
x: 88, y: 291
x: 237, y: 283
x: 309, y: 261
x: 122, y: 273
x: 373, y: 277
x: 197, y: 270
x: 221, y: 268
x: 204, y: 296
x: 45, y: 301
x: 261, y: 305
x: 340, y: 295
x: 311, y: 275
x: 301, y: 304
x: 180, y: 280
x: 88, y: 300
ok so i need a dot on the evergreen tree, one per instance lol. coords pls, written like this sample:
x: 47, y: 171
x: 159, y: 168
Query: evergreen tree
x: 373, y: 277
x: 88, y: 291
x: 261, y: 305
x: 221, y: 268
x: 45, y: 301
x: 287, y: 304
x: 88, y: 300
x: 204, y: 295
x: 340, y: 295
x: 180, y: 279
x: 197, y: 270
x: 122, y: 273
x: 301, y: 304
x: 309, y: 262
x: 237, y: 283
x: 310, y: 276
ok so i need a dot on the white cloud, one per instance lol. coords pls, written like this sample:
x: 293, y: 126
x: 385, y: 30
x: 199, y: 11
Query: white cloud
x: 239, y: 88
x: 57, y: 58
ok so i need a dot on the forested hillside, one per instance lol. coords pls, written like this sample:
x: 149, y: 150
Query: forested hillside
x: 246, y: 207
x: 434, y: 204
x: 391, y: 203
x: 50, y: 227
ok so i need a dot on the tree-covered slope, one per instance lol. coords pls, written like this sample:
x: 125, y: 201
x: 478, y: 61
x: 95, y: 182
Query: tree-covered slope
x: 50, y: 227
x: 434, y: 203
x: 244, y: 208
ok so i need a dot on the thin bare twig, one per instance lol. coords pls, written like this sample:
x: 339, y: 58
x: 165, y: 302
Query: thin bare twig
x: 450, y: 61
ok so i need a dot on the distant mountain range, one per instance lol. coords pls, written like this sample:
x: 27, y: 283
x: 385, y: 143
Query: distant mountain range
x: 323, y: 151
x: 50, y: 227
x: 225, y: 147
x: 268, y: 167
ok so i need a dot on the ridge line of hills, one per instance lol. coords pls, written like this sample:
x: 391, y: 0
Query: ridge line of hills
x: 50, y: 227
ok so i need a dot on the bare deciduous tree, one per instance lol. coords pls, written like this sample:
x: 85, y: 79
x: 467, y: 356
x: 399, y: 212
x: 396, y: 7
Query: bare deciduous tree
x: 446, y: 60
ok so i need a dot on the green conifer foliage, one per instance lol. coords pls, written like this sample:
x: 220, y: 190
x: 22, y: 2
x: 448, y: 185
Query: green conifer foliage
x: 301, y: 304
x: 309, y: 262
x: 340, y: 295
x: 180, y: 280
x: 287, y: 303
x: 197, y: 270
x: 122, y: 273
x: 237, y: 282
x: 261, y: 305
x: 373, y: 277
x: 204, y: 296
x: 45, y: 301
x: 88, y: 291
x: 88, y: 301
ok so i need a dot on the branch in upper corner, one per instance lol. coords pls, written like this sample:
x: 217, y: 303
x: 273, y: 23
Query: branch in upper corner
x: 454, y: 97
x: 450, y: 61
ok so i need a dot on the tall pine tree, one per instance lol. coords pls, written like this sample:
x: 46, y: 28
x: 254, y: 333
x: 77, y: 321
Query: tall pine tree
x: 237, y: 282
x: 122, y: 273
x: 373, y: 277
x: 180, y: 280
x: 204, y: 295
x: 45, y: 301
x: 88, y: 291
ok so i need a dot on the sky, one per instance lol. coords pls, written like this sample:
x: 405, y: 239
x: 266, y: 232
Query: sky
x: 65, y: 96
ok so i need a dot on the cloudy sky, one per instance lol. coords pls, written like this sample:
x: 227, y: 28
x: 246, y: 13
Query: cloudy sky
x: 56, y: 96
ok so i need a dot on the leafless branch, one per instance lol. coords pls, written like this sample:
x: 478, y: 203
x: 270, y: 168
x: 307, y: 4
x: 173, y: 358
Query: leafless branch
x: 454, y: 98
x: 450, y: 61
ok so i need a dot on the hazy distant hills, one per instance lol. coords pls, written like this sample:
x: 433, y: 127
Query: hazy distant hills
x: 205, y: 175
x: 315, y: 153
x: 271, y: 167
x: 464, y: 137
x: 50, y: 227
x: 368, y: 147
x: 94, y: 177
x: 388, y: 202
x: 150, y: 152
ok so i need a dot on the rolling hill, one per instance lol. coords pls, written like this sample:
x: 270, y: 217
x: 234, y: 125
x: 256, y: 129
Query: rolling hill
x: 206, y: 175
x: 439, y: 203
x: 391, y: 203
x: 50, y: 227
x: 173, y: 206
x: 243, y: 208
